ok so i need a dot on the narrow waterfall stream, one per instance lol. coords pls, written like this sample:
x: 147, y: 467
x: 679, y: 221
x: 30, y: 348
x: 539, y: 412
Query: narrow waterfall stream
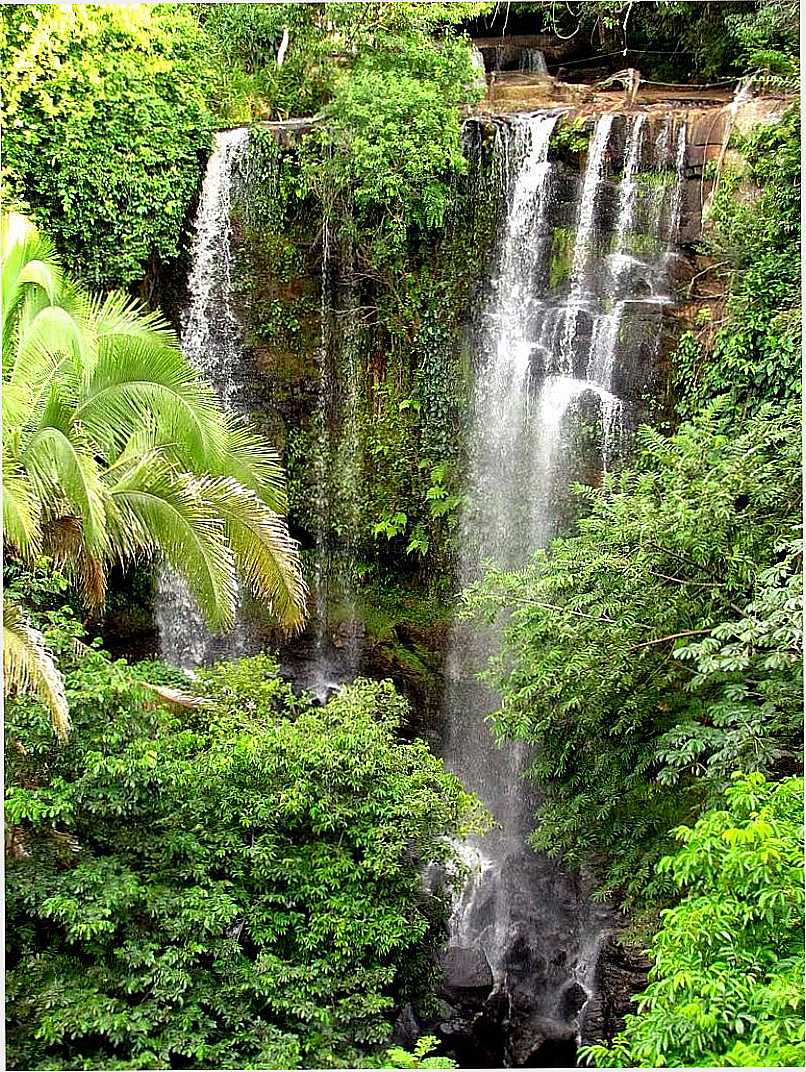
x: 552, y: 358
x: 338, y: 462
x: 210, y: 336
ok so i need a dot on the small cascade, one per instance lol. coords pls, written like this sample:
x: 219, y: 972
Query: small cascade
x: 533, y: 62
x: 348, y: 462
x: 210, y: 336
x: 552, y: 359
x: 588, y: 201
x: 319, y: 679
x: 677, y: 185
x: 607, y: 326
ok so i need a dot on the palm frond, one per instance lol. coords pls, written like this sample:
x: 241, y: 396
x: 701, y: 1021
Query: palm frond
x: 252, y: 461
x: 21, y: 510
x: 154, y: 509
x: 115, y: 447
x: 265, y: 554
x: 133, y: 383
x: 28, y: 666
x: 118, y: 317
x: 28, y: 259
x: 24, y: 403
x: 63, y: 540
x: 63, y: 469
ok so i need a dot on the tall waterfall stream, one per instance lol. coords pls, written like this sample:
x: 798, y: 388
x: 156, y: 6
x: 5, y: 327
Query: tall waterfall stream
x: 557, y: 349
x: 547, y: 359
x: 210, y: 337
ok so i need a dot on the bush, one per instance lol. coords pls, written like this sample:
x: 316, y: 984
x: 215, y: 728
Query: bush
x: 726, y: 985
x: 392, y: 142
x: 106, y: 130
x: 238, y: 885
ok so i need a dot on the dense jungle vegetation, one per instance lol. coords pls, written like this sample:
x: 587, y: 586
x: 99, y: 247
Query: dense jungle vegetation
x: 233, y: 877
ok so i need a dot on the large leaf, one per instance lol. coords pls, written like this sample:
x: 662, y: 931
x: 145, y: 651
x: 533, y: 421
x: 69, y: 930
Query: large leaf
x: 154, y: 509
x: 265, y: 554
x: 118, y: 317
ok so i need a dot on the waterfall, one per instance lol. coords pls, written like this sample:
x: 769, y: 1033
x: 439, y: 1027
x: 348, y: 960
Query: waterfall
x: 564, y: 345
x: 210, y: 337
x: 533, y: 61
x: 549, y: 357
x: 338, y: 462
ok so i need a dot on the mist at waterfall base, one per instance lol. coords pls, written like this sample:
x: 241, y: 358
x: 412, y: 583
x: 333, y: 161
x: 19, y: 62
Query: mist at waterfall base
x: 565, y: 341
x: 551, y: 358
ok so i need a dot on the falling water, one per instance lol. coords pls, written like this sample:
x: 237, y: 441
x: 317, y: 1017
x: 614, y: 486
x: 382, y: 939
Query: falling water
x: 337, y: 461
x: 533, y: 61
x: 210, y: 337
x: 548, y: 357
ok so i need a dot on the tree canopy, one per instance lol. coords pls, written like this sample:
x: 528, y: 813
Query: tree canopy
x: 106, y: 129
x: 234, y: 884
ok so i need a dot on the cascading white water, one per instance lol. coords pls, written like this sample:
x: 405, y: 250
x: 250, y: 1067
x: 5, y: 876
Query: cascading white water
x: 210, y: 337
x: 547, y: 359
x: 502, y: 396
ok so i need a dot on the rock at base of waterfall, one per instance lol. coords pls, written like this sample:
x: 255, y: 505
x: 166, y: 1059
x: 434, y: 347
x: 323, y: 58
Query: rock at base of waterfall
x: 621, y: 973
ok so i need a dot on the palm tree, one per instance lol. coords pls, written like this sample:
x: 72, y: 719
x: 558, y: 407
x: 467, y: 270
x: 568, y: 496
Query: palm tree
x: 116, y: 451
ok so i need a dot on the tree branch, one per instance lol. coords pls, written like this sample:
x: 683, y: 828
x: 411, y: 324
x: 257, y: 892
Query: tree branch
x: 671, y: 636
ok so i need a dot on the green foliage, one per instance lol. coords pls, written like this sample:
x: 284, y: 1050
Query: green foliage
x: 675, y: 40
x: 767, y: 41
x: 239, y: 885
x: 654, y: 179
x: 562, y: 255
x: 634, y: 727
x: 106, y: 129
x: 323, y: 39
x: 750, y: 671
x: 395, y: 358
x: 116, y: 451
x: 570, y: 140
x: 755, y: 240
x: 244, y: 42
x: 398, y: 1057
x: 157, y: 672
x: 726, y: 985
x: 391, y: 141
x: 38, y: 584
x: 389, y: 527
